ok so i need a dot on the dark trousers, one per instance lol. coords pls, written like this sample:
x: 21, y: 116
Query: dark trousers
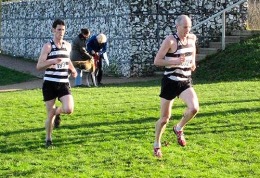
x: 99, y: 71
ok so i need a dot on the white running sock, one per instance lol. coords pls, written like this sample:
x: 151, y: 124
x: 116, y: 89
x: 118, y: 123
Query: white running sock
x: 157, y: 145
x: 178, y: 128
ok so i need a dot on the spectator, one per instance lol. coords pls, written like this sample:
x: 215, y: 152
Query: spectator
x: 97, y: 46
x: 79, y: 52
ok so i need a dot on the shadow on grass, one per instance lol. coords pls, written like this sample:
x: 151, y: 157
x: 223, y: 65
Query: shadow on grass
x: 221, y: 126
x: 10, y: 76
x: 228, y: 102
x: 116, y: 131
x: 96, y: 132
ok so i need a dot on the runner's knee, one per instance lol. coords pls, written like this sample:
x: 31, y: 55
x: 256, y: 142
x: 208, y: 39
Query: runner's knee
x: 194, y: 110
x: 165, y: 120
x: 68, y: 110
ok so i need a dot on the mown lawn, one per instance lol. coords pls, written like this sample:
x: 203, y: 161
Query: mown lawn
x: 9, y: 76
x: 111, y: 134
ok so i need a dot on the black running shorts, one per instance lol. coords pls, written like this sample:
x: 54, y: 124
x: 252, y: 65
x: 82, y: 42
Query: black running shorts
x: 52, y: 90
x: 170, y: 89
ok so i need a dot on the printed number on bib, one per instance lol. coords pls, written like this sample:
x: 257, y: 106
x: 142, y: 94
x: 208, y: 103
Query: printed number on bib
x: 186, y: 63
x: 62, y: 65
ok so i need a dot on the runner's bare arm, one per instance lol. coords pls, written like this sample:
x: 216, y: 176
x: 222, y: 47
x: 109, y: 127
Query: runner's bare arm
x: 71, y: 66
x: 72, y: 69
x: 43, y: 63
x: 168, y: 45
x: 194, y: 38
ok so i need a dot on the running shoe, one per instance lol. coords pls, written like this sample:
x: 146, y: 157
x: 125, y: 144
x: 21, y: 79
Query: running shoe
x: 157, y: 152
x: 180, y: 136
x: 48, y: 144
x: 57, y: 121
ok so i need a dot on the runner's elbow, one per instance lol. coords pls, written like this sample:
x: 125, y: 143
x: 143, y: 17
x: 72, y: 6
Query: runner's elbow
x: 156, y: 63
x: 39, y: 68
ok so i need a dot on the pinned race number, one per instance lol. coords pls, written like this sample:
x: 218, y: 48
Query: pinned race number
x: 62, y: 65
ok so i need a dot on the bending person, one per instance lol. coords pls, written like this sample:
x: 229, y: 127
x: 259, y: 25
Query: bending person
x: 79, y: 52
x: 97, y: 46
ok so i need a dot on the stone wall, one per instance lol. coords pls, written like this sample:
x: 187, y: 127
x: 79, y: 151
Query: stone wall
x: 134, y: 28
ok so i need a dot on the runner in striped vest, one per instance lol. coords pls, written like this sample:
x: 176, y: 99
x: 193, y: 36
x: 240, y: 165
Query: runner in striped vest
x: 54, y: 59
x: 177, y: 55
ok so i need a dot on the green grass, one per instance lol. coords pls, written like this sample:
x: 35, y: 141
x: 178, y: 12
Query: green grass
x: 237, y: 62
x: 111, y: 132
x: 114, y: 138
x: 9, y: 76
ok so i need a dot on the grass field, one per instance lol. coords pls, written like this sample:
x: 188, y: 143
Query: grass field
x: 9, y: 76
x: 111, y: 132
x: 114, y: 139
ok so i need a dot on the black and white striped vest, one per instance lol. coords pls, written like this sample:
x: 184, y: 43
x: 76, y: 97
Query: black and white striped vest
x: 181, y: 72
x: 58, y: 73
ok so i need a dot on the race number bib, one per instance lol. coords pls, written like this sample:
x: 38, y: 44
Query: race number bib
x: 186, y: 63
x: 62, y: 65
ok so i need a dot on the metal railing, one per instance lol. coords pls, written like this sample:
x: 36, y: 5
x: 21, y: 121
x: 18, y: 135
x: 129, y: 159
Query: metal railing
x: 223, y: 12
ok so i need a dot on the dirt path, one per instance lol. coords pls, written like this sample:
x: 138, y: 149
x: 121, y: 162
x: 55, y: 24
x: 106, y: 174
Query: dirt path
x: 29, y: 67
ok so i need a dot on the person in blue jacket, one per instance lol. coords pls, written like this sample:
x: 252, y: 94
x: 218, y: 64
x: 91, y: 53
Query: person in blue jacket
x: 97, y: 46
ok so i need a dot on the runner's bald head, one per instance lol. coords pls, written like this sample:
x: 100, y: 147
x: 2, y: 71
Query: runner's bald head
x: 182, y: 18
